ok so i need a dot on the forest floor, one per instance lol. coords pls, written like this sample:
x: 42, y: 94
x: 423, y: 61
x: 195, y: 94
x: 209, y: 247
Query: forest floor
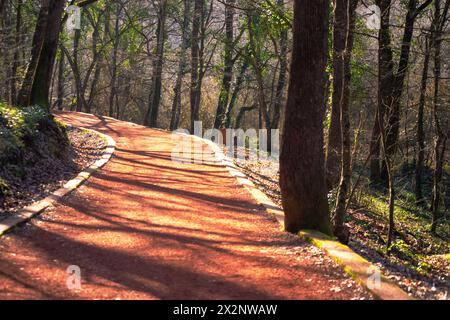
x: 419, y: 262
x: 148, y: 227
x: 38, y: 180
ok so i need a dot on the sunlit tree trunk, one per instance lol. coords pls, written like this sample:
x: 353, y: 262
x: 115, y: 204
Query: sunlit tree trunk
x: 302, y: 163
x: 345, y: 11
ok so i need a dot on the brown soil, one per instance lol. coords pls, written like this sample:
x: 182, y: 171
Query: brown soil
x: 145, y: 227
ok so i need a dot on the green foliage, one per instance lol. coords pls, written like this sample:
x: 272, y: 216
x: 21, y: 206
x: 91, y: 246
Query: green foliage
x: 274, y: 18
x: 415, y: 246
x: 21, y: 122
x: 16, y: 125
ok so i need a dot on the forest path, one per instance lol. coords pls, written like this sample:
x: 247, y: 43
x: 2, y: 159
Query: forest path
x: 145, y: 227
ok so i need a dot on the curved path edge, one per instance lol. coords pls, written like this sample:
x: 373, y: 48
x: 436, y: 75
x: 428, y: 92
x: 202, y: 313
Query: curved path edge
x: 36, y: 208
x: 360, y: 269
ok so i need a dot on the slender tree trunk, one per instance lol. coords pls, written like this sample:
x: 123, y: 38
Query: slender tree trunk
x: 76, y: 74
x: 440, y: 136
x: 281, y: 84
x: 155, y: 96
x: 18, y: 40
x: 61, y: 80
x: 195, y: 94
x: 391, y: 228
x: 255, y: 60
x: 7, y: 55
x: 280, y: 87
x: 2, y: 5
x: 345, y: 9
x: 385, y: 78
x: 2, y: 39
x: 334, y: 145
x: 176, y: 103
x: 113, y: 83
x: 236, y: 90
x: 391, y: 187
x: 241, y: 113
x: 397, y: 84
x: 302, y: 163
x: 420, y: 130
x: 79, y: 89
x: 97, y: 60
x: 220, y: 120
x: 439, y: 158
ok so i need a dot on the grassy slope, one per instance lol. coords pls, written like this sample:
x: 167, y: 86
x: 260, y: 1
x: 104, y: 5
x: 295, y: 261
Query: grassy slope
x: 416, y: 247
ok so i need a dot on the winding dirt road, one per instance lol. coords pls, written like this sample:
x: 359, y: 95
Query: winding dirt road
x: 146, y: 227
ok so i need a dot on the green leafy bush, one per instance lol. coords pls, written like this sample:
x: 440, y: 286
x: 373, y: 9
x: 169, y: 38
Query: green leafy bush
x: 31, y: 128
x: 22, y: 121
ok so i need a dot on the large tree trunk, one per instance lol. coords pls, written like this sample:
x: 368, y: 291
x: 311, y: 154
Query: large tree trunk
x: 302, y: 167
x: 224, y: 94
x: 43, y: 76
x: 36, y: 84
x: 345, y: 10
x: 176, y: 103
x: 36, y: 48
x: 155, y: 96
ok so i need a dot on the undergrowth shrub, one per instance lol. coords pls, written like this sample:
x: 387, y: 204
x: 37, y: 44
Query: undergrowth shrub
x: 27, y: 135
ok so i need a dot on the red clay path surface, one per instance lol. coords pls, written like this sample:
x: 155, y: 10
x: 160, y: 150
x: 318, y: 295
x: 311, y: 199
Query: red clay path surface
x: 145, y: 227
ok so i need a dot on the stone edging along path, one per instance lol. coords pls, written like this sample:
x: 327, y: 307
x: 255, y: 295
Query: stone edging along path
x: 361, y: 270
x: 36, y: 208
